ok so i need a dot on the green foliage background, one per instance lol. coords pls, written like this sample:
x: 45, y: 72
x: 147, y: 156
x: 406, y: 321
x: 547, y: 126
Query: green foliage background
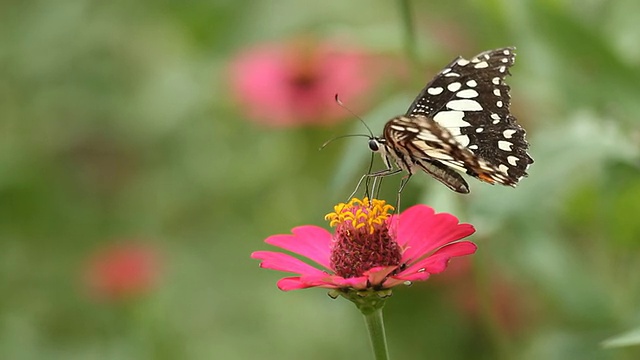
x: 116, y: 122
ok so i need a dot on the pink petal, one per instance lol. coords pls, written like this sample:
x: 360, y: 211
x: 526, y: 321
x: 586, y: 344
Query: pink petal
x: 259, y: 80
x: 402, y: 280
x: 421, y: 231
x: 303, y: 282
x: 284, y: 262
x: 359, y: 283
x: 310, y: 241
x: 418, y: 276
x: 292, y: 283
x: 413, y: 223
x: 445, y: 236
x: 325, y: 281
x: 437, y: 262
x: 378, y: 274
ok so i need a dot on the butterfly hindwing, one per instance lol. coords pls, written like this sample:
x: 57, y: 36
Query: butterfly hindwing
x: 418, y: 141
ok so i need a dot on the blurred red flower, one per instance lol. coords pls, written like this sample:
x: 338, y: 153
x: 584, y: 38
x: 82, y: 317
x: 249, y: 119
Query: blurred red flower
x: 122, y: 271
x: 505, y: 303
x: 295, y: 83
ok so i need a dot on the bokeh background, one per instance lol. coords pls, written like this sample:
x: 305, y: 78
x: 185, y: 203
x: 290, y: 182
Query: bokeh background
x: 148, y: 147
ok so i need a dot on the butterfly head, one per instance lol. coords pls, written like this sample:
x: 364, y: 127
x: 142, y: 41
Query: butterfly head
x: 376, y: 144
x: 379, y: 145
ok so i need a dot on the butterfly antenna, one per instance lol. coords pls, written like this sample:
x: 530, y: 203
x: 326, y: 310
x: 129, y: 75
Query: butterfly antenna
x: 340, y: 137
x: 339, y: 102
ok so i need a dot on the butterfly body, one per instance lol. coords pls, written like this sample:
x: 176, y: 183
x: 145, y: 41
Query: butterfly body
x: 460, y: 122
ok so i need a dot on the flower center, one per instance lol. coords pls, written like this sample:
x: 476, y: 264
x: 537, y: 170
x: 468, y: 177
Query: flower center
x: 362, y: 239
x: 304, y: 68
x: 303, y: 80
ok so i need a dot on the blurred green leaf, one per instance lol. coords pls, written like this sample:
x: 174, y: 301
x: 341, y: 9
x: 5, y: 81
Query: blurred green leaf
x: 628, y: 338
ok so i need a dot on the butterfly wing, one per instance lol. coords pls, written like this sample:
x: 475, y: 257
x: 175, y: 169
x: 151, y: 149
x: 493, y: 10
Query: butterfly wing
x: 470, y: 99
x: 419, y: 141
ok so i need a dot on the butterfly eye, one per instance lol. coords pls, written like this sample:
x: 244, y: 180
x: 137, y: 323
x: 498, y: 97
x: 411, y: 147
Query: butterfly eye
x: 374, y: 145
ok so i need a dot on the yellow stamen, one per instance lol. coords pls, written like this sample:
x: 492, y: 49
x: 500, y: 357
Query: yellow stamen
x: 360, y: 213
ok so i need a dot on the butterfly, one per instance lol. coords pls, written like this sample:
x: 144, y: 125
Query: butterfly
x: 460, y: 122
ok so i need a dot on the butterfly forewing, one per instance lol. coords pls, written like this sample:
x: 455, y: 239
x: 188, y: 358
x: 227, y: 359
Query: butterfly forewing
x: 470, y: 100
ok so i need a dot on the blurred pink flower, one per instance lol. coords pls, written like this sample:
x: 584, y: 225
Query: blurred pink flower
x: 295, y: 83
x: 370, y: 249
x: 122, y: 271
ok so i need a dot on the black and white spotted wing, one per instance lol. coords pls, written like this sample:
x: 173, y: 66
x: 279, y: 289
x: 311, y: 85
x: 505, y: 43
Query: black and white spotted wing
x: 461, y: 120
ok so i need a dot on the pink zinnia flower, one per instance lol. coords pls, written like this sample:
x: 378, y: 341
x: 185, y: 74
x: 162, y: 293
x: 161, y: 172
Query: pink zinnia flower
x: 295, y: 84
x: 122, y: 271
x: 370, y: 249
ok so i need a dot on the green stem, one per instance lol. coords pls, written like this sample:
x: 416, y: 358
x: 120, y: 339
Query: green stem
x: 409, y: 31
x: 375, y: 327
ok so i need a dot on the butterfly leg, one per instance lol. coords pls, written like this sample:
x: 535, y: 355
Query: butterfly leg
x: 375, y: 175
x: 377, y: 186
x: 403, y: 183
x: 357, y: 187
